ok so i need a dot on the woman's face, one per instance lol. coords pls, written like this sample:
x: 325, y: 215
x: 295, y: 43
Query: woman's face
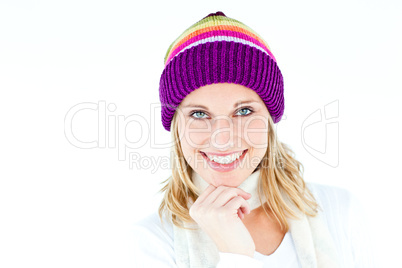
x: 221, y: 120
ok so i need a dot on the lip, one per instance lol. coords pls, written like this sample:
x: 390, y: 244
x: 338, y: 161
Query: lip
x: 223, y: 154
x: 224, y: 167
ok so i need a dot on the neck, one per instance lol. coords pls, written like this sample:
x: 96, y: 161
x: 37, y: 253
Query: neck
x: 249, y: 185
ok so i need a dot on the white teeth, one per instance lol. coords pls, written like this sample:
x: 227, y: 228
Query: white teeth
x: 226, y: 159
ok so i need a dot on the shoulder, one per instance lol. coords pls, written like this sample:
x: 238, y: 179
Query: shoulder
x: 334, y: 199
x: 336, y: 204
x: 341, y: 202
x: 342, y: 209
x: 331, y: 197
x: 348, y: 223
x: 328, y: 191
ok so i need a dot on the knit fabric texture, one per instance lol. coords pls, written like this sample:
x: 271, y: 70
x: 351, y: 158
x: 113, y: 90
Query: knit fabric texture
x: 219, y: 49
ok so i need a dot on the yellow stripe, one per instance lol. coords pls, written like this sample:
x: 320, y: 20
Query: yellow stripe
x: 211, y: 21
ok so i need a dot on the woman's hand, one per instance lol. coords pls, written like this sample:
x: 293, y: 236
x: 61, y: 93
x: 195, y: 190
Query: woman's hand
x: 219, y: 212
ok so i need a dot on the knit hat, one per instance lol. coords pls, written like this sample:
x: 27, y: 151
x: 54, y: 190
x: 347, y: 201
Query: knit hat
x: 218, y: 49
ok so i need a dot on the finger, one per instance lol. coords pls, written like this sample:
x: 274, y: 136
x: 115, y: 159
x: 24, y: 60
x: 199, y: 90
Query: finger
x: 211, y: 198
x: 228, y: 194
x: 205, y: 194
x: 243, y: 211
x: 245, y: 194
x: 240, y: 214
x: 236, y: 203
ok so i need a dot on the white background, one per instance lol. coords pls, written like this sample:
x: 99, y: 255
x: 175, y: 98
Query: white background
x: 62, y: 205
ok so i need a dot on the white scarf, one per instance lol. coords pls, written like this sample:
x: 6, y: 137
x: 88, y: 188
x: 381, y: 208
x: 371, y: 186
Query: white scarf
x: 194, y: 248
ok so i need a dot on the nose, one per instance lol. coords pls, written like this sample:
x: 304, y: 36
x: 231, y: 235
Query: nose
x: 222, y: 133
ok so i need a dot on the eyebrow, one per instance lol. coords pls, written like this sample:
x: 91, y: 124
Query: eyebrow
x: 234, y: 106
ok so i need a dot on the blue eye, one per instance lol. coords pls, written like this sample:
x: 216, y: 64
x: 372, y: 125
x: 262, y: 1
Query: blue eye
x: 246, y: 110
x: 242, y: 111
x: 197, y: 112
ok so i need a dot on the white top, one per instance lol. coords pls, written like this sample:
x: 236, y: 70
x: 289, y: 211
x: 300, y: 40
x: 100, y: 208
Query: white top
x: 344, y: 214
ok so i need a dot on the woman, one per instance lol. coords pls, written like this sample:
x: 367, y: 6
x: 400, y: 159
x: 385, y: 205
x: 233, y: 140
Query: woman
x: 236, y: 196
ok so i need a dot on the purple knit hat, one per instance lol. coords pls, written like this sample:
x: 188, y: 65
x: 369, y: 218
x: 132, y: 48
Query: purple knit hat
x: 218, y: 49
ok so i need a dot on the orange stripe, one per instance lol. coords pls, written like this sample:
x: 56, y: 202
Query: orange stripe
x: 218, y: 27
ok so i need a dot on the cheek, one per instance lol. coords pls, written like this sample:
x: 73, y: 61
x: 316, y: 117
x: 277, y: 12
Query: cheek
x: 255, y: 132
x: 190, y: 147
x: 195, y: 134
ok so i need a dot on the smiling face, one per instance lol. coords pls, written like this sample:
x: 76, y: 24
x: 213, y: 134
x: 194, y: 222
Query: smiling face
x: 223, y: 119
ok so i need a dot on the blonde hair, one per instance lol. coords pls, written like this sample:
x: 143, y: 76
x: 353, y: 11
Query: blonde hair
x: 280, y: 171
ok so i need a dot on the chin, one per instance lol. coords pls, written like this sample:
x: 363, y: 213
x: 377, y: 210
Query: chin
x: 230, y: 179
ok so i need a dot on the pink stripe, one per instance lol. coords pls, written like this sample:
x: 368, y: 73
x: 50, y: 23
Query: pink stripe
x: 219, y: 32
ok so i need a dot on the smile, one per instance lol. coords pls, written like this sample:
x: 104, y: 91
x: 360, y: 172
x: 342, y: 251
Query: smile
x: 224, y: 163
